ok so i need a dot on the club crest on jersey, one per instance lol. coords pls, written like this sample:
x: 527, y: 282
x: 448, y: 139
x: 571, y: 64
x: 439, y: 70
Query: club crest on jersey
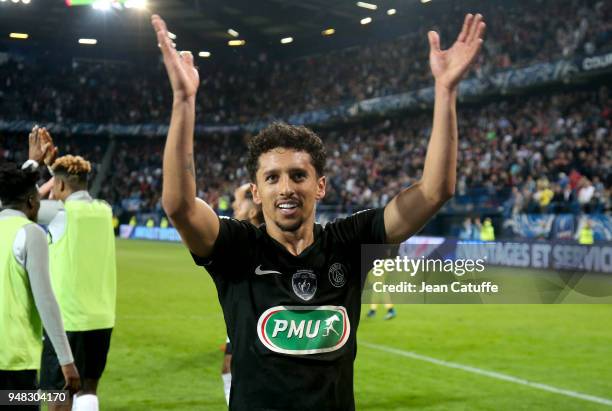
x: 302, y: 330
x: 304, y: 284
x: 337, y: 274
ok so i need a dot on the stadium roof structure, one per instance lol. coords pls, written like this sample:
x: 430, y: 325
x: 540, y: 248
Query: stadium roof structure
x: 202, y: 25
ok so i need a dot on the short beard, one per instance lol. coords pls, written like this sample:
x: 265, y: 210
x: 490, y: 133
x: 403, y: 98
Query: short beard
x: 290, y: 228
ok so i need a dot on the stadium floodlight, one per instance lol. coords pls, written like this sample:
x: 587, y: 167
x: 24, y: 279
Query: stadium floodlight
x: 425, y: 1
x: 368, y: 6
x: 102, y: 5
x: 204, y: 54
x: 233, y: 32
x: 15, y: 1
x: 367, y: 20
x: 135, y: 4
x: 26, y: 1
x: 391, y: 12
x: 287, y: 40
x: 21, y: 36
x: 328, y: 32
x: 88, y: 41
x: 236, y: 43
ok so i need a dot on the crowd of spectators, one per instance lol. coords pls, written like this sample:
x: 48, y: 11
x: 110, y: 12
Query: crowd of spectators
x: 548, y: 153
x: 538, y: 154
x: 519, y: 33
x: 543, y: 154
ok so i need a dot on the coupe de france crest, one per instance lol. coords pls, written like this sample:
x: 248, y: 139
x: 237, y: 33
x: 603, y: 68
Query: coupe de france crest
x: 304, y: 284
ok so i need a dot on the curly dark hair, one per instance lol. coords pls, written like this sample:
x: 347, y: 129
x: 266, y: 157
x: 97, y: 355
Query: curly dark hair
x: 284, y: 135
x: 16, y: 184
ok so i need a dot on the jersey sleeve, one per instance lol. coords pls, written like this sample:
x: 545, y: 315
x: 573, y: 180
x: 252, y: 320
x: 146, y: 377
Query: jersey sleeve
x: 364, y: 227
x: 37, y: 266
x: 48, y: 210
x: 232, y: 250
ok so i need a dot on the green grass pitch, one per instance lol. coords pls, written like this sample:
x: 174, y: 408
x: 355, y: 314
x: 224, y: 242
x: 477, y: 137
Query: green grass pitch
x: 165, y: 353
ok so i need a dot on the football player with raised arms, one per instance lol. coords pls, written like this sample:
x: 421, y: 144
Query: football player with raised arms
x: 290, y: 289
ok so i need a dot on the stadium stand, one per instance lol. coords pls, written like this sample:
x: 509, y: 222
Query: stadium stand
x: 264, y: 89
x: 541, y: 153
x: 544, y: 154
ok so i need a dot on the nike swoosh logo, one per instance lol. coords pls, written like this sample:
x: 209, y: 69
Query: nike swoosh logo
x: 259, y: 271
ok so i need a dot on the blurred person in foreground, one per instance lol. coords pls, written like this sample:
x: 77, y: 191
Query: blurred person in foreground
x: 291, y: 289
x: 83, y: 275
x: 26, y: 294
x: 245, y: 209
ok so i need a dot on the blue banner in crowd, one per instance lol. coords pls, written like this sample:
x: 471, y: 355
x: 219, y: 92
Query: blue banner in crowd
x: 559, y: 226
x: 530, y: 225
x: 548, y: 255
x: 551, y: 255
x: 149, y: 233
x: 564, y: 226
x: 601, y: 226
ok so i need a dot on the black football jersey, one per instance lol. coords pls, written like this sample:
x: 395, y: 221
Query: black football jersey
x: 292, y: 320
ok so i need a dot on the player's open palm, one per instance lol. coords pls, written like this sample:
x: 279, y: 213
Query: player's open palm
x: 181, y: 71
x: 449, y: 66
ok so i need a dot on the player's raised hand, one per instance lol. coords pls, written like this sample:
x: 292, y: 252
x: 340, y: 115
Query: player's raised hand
x: 183, y: 75
x: 50, y: 149
x: 449, y: 66
x: 37, y: 145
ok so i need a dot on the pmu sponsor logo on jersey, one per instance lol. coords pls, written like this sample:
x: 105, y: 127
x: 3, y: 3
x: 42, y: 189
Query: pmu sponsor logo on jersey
x: 298, y: 330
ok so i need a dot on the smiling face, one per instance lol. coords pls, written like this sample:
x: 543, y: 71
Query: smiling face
x: 288, y: 188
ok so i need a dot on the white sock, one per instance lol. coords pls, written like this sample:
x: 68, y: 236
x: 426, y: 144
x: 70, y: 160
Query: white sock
x: 85, y: 402
x: 227, y: 385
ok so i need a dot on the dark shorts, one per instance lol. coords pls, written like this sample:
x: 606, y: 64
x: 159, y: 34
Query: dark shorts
x: 18, y: 380
x: 89, y: 349
x: 228, y: 348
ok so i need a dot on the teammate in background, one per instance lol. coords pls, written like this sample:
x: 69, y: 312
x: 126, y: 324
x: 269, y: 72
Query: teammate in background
x: 391, y: 313
x: 274, y: 279
x: 244, y: 210
x: 26, y: 295
x: 83, y: 274
x: 391, y: 252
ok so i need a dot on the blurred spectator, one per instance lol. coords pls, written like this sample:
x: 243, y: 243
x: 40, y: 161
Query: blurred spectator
x: 544, y: 194
x: 586, y: 190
